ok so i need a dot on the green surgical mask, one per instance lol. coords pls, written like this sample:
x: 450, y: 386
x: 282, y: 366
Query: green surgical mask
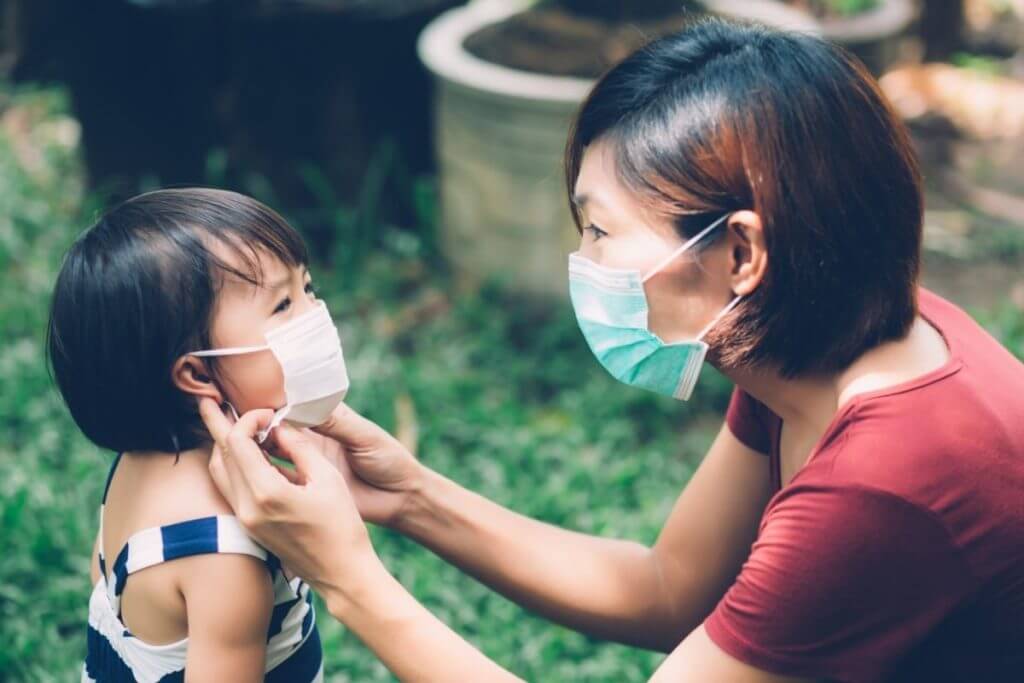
x: 611, y: 308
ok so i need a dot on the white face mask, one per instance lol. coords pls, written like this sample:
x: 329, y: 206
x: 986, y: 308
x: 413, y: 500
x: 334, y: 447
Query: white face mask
x: 315, y: 378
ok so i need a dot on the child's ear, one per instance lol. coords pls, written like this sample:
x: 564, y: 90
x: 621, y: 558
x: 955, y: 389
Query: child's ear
x: 191, y: 376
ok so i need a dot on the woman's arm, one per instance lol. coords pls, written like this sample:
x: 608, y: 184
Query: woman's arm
x: 698, y: 659
x: 613, y: 589
x: 308, y: 518
x: 410, y: 641
x: 609, y: 588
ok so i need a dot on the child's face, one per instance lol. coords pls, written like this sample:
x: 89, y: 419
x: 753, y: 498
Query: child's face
x: 242, y: 314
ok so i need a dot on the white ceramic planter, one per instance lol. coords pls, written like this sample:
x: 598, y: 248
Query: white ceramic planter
x: 873, y: 36
x: 770, y: 12
x: 500, y: 136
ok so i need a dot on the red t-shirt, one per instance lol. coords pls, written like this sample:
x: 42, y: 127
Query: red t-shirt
x: 897, y: 552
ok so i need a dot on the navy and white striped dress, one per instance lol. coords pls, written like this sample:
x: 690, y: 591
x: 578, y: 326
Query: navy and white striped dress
x: 114, y: 655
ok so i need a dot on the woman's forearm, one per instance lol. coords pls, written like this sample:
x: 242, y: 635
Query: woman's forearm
x: 410, y: 641
x: 608, y: 588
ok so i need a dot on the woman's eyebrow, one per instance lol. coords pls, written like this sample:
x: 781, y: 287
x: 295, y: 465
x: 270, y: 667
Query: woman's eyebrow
x: 583, y: 199
x: 580, y: 200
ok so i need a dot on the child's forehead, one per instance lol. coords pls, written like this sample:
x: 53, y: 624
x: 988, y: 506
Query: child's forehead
x: 252, y: 268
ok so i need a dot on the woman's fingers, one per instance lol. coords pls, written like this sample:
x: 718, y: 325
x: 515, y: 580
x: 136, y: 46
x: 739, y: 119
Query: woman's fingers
x: 348, y: 427
x: 217, y: 423
x: 239, y: 467
x: 220, y: 475
x: 243, y: 452
x: 291, y: 475
x: 273, y: 446
x: 227, y: 479
x: 295, y: 447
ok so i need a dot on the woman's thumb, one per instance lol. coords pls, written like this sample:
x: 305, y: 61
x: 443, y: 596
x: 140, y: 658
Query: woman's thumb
x: 347, y: 427
x: 294, y: 445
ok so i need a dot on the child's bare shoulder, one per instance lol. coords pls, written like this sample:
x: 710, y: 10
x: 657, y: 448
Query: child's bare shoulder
x: 161, y: 490
x: 149, y: 491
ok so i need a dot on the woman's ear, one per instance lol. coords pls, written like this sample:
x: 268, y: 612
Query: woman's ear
x: 191, y: 375
x: 747, y: 253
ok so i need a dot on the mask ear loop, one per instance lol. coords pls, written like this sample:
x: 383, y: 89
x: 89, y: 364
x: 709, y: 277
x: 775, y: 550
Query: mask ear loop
x: 686, y: 245
x: 262, y: 435
x: 721, y: 314
x: 278, y: 418
x: 236, y: 351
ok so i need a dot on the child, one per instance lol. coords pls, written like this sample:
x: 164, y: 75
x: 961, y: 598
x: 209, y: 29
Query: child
x: 172, y: 296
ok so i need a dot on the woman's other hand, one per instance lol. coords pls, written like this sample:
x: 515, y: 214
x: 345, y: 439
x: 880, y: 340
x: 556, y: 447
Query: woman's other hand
x: 381, y: 473
x: 305, y: 516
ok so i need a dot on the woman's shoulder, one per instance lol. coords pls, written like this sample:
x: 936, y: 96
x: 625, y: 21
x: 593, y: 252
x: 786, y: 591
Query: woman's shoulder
x: 950, y: 451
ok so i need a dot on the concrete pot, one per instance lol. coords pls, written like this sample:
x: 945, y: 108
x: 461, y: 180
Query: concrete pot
x: 873, y: 35
x: 500, y: 136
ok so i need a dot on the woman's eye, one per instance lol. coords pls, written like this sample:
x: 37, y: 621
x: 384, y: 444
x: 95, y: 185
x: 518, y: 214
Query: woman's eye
x: 283, y: 306
x: 311, y: 290
x: 597, y: 232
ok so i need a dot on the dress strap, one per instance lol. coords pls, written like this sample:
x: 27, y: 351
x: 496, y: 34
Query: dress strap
x: 201, y: 536
x: 103, y: 502
x: 110, y: 477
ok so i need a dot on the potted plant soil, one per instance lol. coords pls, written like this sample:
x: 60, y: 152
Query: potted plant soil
x: 510, y: 74
x: 871, y: 29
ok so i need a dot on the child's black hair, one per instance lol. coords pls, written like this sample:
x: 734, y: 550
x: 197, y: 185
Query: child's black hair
x: 135, y: 293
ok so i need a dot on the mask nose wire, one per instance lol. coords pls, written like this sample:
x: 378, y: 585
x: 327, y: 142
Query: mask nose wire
x: 686, y: 245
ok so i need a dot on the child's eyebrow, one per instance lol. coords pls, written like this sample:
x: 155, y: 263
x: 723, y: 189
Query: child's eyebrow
x: 283, y: 282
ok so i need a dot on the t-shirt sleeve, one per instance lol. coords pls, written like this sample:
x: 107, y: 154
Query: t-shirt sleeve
x: 841, y: 583
x: 746, y: 421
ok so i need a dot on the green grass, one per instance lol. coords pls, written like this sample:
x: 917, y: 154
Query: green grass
x: 508, y: 401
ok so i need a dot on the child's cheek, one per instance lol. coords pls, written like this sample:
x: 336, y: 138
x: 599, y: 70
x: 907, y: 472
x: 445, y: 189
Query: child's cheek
x: 259, y: 384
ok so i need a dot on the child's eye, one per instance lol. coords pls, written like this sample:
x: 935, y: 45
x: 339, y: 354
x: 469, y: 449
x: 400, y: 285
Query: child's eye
x: 597, y: 232
x: 286, y: 302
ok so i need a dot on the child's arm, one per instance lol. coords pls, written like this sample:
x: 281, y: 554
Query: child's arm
x: 228, y: 602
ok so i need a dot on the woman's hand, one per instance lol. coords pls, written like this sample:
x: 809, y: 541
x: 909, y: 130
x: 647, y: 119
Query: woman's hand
x: 304, y: 516
x: 381, y: 473
x: 308, y: 519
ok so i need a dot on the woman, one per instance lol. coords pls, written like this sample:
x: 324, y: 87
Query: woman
x: 747, y: 194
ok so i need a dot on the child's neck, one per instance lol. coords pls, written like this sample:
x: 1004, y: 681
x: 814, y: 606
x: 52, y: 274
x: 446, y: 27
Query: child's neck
x: 201, y: 452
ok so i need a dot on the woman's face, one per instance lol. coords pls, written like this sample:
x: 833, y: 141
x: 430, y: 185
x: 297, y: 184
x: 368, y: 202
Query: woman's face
x: 243, y: 314
x: 620, y: 232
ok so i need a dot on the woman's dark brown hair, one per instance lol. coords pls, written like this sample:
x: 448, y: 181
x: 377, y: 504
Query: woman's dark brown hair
x: 726, y: 116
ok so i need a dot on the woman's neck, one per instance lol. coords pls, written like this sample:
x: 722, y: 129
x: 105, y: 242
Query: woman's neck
x: 802, y: 400
x: 813, y: 401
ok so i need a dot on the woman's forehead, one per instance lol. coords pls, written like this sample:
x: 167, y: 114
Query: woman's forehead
x: 602, y: 195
